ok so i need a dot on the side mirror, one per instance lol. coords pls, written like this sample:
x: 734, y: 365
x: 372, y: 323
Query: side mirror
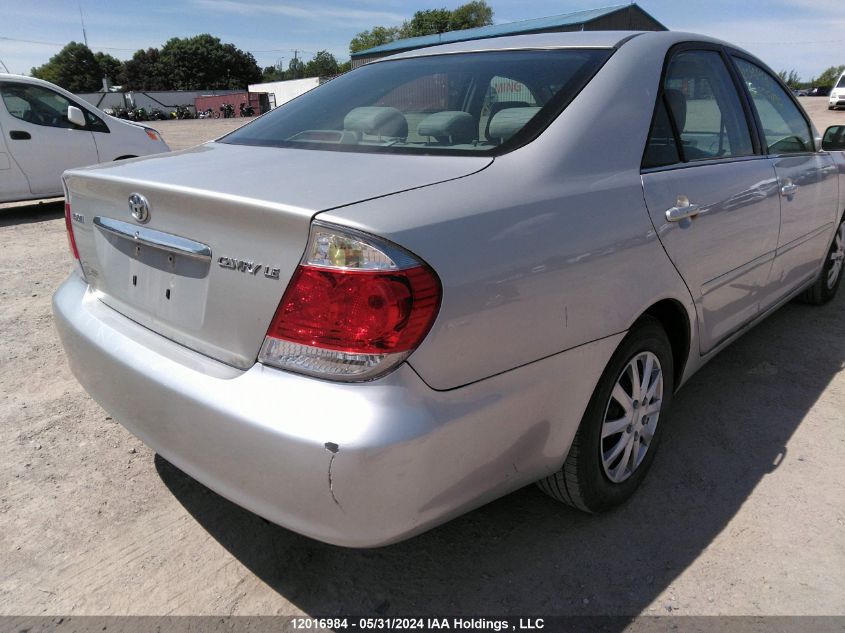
x: 75, y: 116
x: 834, y: 138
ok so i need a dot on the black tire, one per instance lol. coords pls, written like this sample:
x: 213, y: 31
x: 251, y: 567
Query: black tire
x: 822, y: 291
x: 582, y: 481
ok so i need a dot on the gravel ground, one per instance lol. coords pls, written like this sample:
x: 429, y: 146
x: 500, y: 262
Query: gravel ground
x: 743, y: 512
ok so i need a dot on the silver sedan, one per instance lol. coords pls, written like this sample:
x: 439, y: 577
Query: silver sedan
x: 448, y: 274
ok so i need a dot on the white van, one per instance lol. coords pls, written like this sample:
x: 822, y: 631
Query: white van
x: 837, y: 94
x: 45, y: 130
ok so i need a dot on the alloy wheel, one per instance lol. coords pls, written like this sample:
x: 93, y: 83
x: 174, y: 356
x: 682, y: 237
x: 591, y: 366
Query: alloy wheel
x: 631, y: 415
x: 837, y: 254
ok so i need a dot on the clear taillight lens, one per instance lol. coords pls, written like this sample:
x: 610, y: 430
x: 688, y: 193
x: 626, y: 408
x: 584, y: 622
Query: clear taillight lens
x: 355, y: 308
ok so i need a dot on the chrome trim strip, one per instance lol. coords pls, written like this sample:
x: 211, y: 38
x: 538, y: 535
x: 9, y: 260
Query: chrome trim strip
x: 157, y: 239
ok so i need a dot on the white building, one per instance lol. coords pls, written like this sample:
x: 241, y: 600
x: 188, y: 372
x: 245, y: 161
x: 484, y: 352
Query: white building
x: 279, y: 92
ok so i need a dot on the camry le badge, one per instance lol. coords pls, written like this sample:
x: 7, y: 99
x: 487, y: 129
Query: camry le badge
x: 248, y: 267
x: 139, y: 207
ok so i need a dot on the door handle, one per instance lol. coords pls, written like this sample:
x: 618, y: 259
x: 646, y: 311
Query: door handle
x: 788, y: 189
x: 18, y: 135
x: 682, y: 210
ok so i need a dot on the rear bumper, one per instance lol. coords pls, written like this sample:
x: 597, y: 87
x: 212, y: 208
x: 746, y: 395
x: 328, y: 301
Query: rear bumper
x: 357, y: 465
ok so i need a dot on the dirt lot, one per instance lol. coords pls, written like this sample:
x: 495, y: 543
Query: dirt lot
x: 743, y: 513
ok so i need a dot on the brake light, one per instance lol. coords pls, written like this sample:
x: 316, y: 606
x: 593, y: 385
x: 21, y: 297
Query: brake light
x: 355, y: 308
x: 71, y: 240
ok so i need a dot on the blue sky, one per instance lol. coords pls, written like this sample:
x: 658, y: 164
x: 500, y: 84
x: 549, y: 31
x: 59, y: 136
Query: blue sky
x: 807, y: 35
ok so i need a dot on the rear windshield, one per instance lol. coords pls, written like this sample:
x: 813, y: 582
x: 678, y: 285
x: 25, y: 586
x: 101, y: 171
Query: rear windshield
x: 467, y: 103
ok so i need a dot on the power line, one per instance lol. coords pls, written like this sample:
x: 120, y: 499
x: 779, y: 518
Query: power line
x: 16, y: 39
x: 115, y: 48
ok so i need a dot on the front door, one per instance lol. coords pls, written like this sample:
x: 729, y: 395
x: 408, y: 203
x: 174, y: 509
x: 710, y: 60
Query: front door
x: 711, y: 197
x: 40, y: 138
x: 806, y: 181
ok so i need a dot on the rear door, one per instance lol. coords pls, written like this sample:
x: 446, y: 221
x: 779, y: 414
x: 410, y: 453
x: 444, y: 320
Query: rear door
x: 712, y: 197
x: 806, y: 181
x: 40, y: 138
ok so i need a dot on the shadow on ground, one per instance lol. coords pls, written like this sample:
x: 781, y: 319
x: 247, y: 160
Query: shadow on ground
x: 525, y: 554
x: 36, y: 211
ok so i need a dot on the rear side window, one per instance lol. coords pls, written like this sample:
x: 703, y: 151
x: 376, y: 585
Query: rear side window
x: 785, y: 129
x: 662, y: 147
x: 464, y: 103
x: 700, y: 106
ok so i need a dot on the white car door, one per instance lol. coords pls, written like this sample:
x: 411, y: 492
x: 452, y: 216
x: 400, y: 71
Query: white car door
x: 40, y: 138
x: 13, y: 184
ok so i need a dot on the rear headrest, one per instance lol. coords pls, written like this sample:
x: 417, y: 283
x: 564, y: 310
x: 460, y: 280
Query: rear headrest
x: 508, y: 122
x: 678, y: 107
x: 501, y: 105
x: 377, y: 121
x: 449, y: 126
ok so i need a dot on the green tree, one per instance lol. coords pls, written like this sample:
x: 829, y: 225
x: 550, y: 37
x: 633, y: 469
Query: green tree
x: 296, y: 69
x: 426, y: 22
x: 791, y: 78
x: 345, y: 67
x: 272, y: 73
x: 470, y: 16
x: 73, y: 68
x: 829, y: 76
x: 110, y: 66
x: 377, y: 36
x: 145, y: 71
x: 203, y: 61
x: 324, y: 64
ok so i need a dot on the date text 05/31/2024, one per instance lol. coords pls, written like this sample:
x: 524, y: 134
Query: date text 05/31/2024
x: 411, y: 624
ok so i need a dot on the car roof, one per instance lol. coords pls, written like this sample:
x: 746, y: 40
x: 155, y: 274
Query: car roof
x: 25, y: 79
x: 577, y: 39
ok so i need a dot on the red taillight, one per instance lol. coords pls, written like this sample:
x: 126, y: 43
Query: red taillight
x: 357, y: 311
x: 71, y: 240
x: 356, y: 307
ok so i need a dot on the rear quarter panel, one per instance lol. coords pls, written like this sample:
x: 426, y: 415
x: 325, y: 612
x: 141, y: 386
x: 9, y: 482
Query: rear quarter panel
x: 548, y: 248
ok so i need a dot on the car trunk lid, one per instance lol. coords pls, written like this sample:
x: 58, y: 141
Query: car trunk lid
x: 226, y: 229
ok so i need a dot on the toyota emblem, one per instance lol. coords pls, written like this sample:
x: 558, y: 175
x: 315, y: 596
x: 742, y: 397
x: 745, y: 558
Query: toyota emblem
x: 139, y: 207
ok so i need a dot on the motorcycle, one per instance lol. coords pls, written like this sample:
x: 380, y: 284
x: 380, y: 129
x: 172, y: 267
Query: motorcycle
x: 182, y: 112
x: 246, y: 110
x: 227, y: 110
x: 120, y: 113
x: 206, y: 114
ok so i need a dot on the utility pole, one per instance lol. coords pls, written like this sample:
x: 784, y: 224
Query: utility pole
x: 81, y: 19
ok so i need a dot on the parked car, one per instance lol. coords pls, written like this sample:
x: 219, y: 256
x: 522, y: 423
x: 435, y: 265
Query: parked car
x: 819, y: 91
x: 837, y: 95
x: 448, y: 274
x: 45, y: 130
